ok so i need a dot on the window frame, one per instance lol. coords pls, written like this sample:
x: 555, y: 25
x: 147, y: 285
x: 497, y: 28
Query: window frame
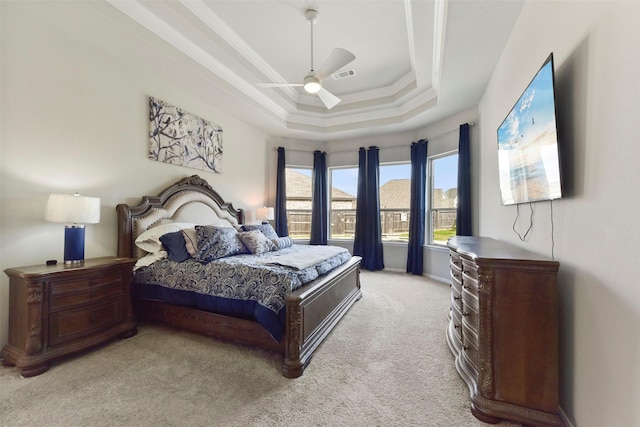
x: 430, y: 229
x: 289, y: 211
x: 331, y: 210
x: 408, y: 209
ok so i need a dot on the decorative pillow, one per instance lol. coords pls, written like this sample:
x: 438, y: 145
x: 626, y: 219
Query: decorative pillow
x: 266, y: 229
x: 149, y: 241
x: 256, y: 242
x: 175, y: 246
x: 217, y: 242
x: 282, y: 242
x: 190, y: 241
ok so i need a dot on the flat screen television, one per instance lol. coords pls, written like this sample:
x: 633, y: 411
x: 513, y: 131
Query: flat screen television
x: 528, y: 155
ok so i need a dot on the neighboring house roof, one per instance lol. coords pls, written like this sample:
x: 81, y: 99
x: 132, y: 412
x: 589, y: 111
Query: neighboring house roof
x: 445, y: 199
x: 452, y: 193
x: 395, y: 193
x: 337, y: 194
x: 299, y: 186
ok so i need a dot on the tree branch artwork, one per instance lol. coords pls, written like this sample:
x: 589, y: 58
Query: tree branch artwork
x: 181, y: 138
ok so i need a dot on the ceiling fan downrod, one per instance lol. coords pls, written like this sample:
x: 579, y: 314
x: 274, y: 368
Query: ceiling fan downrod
x: 312, y: 18
x: 311, y: 83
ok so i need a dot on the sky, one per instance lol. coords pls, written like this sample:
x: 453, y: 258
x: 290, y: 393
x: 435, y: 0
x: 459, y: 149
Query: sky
x: 346, y: 179
x: 533, y: 113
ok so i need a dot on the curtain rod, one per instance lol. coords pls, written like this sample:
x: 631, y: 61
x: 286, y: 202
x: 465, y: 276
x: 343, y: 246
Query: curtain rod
x: 381, y: 148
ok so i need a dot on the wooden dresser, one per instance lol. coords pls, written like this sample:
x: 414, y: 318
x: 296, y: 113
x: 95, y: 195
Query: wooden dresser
x: 56, y: 310
x: 503, y: 330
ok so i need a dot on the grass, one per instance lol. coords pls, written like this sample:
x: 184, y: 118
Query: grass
x: 443, y: 235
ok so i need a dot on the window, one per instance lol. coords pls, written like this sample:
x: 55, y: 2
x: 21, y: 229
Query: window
x: 299, y: 192
x: 344, y: 189
x: 443, y: 191
x: 395, y: 201
x: 395, y: 196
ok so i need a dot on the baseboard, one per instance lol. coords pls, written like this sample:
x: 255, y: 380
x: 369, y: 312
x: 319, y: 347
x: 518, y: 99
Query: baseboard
x: 428, y: 276
x: 438, y: 278
x: 394, y: 270
x: 564, y: 418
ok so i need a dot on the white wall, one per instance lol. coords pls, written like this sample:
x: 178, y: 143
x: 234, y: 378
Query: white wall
x: 75, y: 118
x: 596, y: 47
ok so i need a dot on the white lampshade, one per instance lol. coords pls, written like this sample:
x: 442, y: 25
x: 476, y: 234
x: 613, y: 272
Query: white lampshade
x: 265, y: 214
x: 73, y: 209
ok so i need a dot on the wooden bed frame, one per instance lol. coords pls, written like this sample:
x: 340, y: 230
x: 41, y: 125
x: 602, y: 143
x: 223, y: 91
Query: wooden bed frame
x: 312, y: 311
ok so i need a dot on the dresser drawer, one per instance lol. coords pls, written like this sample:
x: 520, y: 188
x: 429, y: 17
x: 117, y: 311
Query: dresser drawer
x: 456, y: 319
x: 470, y: 269
x: 455, y: 260
x: 73, y: 293
x: 470, y: 311
x: 456, y: 276
x: 456, y: 297
x: 470, y: 344
x: 470, y: 355
x: 76, y: 323
x: 470, y: 278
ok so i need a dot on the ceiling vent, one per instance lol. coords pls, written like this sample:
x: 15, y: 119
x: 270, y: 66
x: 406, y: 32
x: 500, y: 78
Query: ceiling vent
x: 343, y: 74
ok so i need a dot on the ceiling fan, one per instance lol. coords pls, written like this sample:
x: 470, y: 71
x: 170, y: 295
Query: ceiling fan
x: 312, y: 82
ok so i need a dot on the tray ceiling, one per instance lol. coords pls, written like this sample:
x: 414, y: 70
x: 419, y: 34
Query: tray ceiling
x: 417, y: 61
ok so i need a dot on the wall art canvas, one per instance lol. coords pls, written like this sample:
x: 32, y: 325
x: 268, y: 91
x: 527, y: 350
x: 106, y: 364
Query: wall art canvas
x: 181, y: 138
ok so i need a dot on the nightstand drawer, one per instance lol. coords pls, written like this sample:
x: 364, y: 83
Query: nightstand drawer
x: 91, y: 289
x: 72, y: 324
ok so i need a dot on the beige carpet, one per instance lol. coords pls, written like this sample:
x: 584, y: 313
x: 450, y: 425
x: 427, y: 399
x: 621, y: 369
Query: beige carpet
x: 386, y: 364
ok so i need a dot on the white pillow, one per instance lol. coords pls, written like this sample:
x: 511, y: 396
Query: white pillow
x: 149, y: 241
x: 149, y: 259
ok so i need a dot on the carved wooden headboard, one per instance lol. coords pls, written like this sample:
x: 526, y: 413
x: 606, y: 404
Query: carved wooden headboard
x: 189, y: 200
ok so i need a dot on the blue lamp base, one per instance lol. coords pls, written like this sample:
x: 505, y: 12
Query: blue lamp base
x: 74, y: 244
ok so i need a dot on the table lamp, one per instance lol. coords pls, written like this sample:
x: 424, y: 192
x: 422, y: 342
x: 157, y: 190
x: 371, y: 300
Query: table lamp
x: 265, y: 214
x: 75, y: 211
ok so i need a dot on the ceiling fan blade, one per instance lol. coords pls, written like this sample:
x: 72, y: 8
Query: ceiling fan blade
x: 277, y: 84
x: 328, y: 99
x: 336, y: 60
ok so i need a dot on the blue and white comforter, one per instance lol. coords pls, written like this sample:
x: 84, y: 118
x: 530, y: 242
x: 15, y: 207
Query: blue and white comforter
x: 242, y: 284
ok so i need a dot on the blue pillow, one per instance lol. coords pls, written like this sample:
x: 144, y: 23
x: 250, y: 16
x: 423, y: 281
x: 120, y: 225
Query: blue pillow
x: 217, y: 242
x: 282, y: 242
x: 175, y: 246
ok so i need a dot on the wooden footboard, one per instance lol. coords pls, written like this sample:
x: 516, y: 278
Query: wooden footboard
x: 314, y: 310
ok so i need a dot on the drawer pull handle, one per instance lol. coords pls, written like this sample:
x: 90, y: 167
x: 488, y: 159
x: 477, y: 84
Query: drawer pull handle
x: 456, y: 326
x: 465, y: 313
x: 456, y: 298
x: 465, y: 347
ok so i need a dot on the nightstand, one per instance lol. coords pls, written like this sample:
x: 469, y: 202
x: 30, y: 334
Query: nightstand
x: 56, y: 310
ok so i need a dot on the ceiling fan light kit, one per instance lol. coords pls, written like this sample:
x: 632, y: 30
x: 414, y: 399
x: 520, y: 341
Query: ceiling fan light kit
x: 312, y: 82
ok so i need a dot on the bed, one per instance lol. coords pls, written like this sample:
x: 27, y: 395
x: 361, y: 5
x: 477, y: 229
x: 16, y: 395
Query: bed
x: 311, y: 311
